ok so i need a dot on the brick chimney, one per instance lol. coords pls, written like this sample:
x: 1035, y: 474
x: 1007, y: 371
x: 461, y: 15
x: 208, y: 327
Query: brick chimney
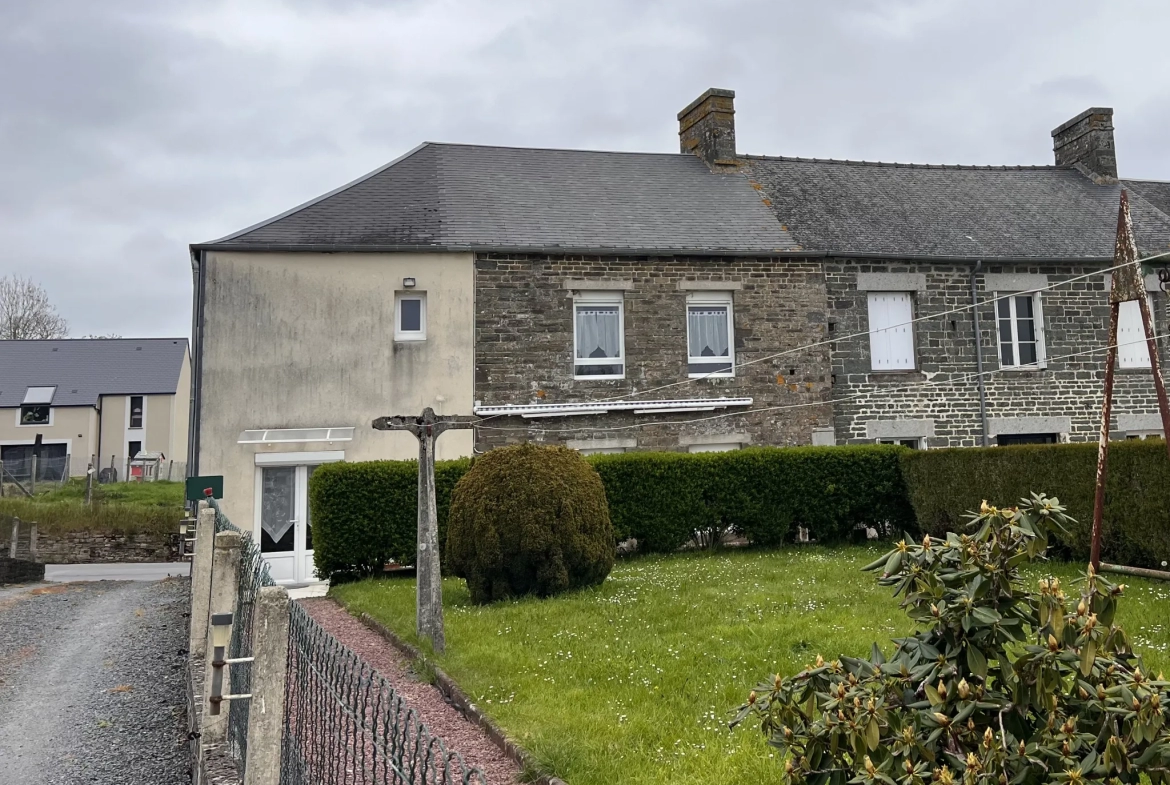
x: 707, y: 127
x: 1087, y: 140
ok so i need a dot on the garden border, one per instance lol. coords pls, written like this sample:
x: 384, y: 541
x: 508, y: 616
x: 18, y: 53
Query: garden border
x: 460, y: 701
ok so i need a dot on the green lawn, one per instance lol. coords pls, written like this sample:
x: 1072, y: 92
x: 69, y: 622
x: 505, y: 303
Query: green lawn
x: 162, y: 494
x: 634, y: 682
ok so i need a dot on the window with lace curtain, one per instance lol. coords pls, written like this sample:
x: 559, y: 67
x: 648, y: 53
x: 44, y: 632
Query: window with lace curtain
x: 710, y: 335
x: 598, y: 336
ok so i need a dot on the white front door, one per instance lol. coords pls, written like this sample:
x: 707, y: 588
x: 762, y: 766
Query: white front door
x: 286, y: 531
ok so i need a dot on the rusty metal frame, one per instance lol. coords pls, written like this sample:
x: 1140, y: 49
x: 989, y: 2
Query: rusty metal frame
x: 1128, y: 284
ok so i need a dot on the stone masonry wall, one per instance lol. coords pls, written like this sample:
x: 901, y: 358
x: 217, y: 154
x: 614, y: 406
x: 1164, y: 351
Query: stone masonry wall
x: 89, y: 547
x: 524, y: 349
x: 943, y: 388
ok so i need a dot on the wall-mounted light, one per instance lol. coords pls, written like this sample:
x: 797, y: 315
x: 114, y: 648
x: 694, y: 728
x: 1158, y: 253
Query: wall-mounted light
x: 408, y: 283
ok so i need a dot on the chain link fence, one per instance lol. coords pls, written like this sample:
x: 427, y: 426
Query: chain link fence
x: 344, y: 724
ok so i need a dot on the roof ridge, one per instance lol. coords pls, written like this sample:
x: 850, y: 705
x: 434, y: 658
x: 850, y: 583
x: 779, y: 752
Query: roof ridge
x: 531, y: 148
x: 900, y: 165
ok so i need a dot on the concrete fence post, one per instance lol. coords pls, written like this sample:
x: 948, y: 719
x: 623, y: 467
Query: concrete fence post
x: 32, y: 541
x: 269, y: 670
x: 201, y: 578
x: 225, y: 572
x: 15, y: 534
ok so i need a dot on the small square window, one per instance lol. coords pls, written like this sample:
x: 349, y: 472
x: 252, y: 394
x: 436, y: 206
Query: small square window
x: 136, y: 411
x: 720, y: 447
x: 1012, y: 439
x: 410, y: 316
x: 36, y: 415
x: 913, y: 444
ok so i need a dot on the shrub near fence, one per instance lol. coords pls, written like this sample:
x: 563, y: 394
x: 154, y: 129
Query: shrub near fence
x: 945, y: 484
x: 365, y: 514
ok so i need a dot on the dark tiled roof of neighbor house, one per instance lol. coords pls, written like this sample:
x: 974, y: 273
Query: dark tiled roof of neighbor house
x: 84, y: 368
x: 454, y: 196
x: 1156, y: 192
x: 915, y: 210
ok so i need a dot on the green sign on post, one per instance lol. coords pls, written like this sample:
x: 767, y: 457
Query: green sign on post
x: 197, y: 487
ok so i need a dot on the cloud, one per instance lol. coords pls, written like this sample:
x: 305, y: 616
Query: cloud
x: 129, y: 130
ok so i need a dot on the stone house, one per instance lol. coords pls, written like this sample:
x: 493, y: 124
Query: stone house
x: 93, y: 399
x: 911, y: 247
x: 611, y: 301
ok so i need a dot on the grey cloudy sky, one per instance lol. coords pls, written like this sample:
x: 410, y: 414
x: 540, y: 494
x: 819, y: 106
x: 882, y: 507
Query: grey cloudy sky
x: 131, y: 128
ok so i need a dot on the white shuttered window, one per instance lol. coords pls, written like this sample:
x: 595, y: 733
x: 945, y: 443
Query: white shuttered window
x: 1132, y: 351
x: 891, y: 335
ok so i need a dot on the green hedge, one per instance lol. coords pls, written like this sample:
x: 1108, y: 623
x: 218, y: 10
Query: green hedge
x: 945, y: 484
x: 763, y: 492
x: 366, y: 514
x: 71, y: 516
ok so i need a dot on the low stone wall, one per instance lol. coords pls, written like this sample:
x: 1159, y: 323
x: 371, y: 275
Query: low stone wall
x: 20, y: 571
x: 90, y: 547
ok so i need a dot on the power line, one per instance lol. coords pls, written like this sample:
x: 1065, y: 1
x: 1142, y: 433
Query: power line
x: 875, y: 392
x: 851, y: 336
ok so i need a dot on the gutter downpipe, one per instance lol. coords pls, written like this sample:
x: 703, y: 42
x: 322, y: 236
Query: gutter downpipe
x: 978, y: 266
x: 198, y: 264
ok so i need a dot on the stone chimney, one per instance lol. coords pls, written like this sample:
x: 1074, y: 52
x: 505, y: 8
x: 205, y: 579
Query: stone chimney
x: 1086, y: 141
x: 707, y: 127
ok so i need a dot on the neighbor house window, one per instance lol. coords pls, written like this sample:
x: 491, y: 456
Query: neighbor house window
x: 891, y: 334
x: 913, y: 444
x: 598, y: 336
x: 132, y: 450
x: 601, y: 450
x: 1142, y: 435
x: 1009, y: 439
x: 1132, y: 350
x: 720, y: 447
x: 136, y: 411
x: 36, y: 415
x: 410, y: 316
x: 710, y: 335
x: 1021, y: 330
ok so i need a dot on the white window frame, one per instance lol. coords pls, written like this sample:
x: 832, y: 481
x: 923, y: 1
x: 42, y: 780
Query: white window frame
x: 410, y: 335
x: 129, y: 412
x: 709, y: 298
x: 909, y: 325
x: 1122, y: 360
x: 20, y: 409
x: 1038, y: 318
x: 587, y: 298
x: 1143, y: 435
x: 919, y: 441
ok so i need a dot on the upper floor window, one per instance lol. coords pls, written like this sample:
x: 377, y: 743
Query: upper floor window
x: 891, y: 331
x: 1132, y: 350
x: 710, y: 335
x: 1021, y: 330
x: 599, y: 343
x: 136, y: 411
x: 35, y: 414
x: 410, y: 316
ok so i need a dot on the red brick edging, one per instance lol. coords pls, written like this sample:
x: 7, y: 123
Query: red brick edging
x: 460, y: 701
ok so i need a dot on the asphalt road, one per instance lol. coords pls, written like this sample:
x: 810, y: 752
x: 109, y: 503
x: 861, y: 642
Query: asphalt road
x: 143, y: 571
x: 91, y: 683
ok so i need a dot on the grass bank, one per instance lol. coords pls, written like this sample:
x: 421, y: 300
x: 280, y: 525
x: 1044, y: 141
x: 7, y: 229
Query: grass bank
x: 634, y: 681
x: 127, y: 507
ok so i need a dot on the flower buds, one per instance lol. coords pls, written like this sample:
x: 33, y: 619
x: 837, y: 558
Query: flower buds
x: 752, y: 698
x: 964, y: 689
x: 1081, y: 608
x: 988, y: 738
x: 942, y: 689
x: 820, y: 662
x: 870, y: 769
x: 1052, y: 644
x: 926, y: 541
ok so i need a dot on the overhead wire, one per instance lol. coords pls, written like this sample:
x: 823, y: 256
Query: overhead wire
x: 835, y: 339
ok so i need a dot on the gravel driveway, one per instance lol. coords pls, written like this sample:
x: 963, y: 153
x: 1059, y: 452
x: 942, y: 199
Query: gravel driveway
x: 90, y: 684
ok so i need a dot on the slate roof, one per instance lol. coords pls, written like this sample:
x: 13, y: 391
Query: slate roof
x: 455, y: 196
x: 1156, y: 192
x: 83, y: 369
x: 914, y: 210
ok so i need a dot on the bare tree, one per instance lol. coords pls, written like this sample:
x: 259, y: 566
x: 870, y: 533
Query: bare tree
x: 25, y: 311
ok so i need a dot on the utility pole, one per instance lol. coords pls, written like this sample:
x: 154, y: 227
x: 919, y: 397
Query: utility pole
x: 1128, y: 284
x: 429, y: 592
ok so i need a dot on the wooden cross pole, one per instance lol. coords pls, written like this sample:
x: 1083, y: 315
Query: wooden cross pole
x: 1128, y: 284
x: 429, y: 593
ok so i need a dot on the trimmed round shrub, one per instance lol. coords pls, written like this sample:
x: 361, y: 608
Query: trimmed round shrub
x: 529, y: 520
